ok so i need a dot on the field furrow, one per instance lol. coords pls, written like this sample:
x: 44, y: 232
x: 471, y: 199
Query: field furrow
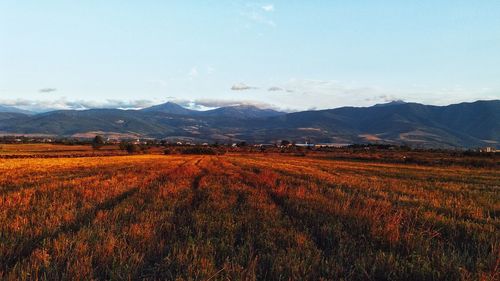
x: 245, y: 217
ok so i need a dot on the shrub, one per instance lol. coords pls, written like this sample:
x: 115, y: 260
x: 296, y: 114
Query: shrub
x: 130, y: 147
x: 200, y: 150
x: 97, y: 142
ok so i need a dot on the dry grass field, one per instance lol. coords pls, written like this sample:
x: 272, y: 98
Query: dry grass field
x: 54, y: 150
x: 246, y: 217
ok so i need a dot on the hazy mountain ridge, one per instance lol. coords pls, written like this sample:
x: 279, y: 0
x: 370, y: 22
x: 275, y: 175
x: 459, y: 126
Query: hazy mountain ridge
x: 12, y: 109
x: 236, y: 111
x: 169, y: 107
x: 10, y: 115
x: 458, y: 125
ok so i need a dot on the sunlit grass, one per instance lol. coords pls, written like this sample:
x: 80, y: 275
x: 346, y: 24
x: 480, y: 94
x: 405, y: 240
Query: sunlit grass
x: 246, y: 217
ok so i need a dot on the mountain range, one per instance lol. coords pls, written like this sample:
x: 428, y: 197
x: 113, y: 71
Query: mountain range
x: 12, y: 109
x: 461, y: 125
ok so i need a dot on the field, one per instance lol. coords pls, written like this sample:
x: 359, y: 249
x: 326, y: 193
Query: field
x: 247, y: 216
x: 53, y: 151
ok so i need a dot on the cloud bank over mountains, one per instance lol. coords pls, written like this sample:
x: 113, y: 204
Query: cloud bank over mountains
x: 291, y: 95
x: 65, y: 104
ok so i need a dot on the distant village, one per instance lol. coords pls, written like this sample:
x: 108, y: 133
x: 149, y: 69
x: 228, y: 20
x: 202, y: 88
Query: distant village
x: 19, y: 139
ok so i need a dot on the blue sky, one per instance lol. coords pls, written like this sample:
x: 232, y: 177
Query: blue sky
x: 287, y: 54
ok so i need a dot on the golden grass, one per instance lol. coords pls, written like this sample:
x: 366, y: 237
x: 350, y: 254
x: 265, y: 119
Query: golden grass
x: 246, y: 217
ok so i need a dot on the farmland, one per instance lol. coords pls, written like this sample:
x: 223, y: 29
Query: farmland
x: 246, y: 216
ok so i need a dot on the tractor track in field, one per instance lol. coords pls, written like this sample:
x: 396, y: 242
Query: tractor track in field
x: 182, y: 218
x: 279, y: 201
x: 367, y: 192
x: 83, y: 220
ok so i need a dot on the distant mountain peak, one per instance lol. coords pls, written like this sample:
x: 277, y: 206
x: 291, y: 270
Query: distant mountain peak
x: 168, y: 107
x: 171, y: 103
x: 391, y: 103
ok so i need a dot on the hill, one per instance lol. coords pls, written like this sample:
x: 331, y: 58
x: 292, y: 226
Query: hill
x: 241, y: 112
x: 237, y: 111
x: 459, y: 125
x: 12, y: 109
x: 10, y: 115
x: 170, y: 108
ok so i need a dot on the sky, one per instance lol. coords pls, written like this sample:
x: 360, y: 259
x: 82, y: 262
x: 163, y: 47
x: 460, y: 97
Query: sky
x: 290, y: 55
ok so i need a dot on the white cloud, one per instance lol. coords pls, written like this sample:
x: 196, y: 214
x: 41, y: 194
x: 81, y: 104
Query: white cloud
x: 193, y: 73
x: 242, y: 87
x: 63, y: 104
x: 257, y: 17
x: 268, y: 8
x: 204, y: 104
x: 294, y: 94
x: 329, y: 87
x: 303, y: 94
x: 258, y: 14
x: 323, y: 94
x: 47, y: 90
x: 210, y: 70
x: 275, y: 89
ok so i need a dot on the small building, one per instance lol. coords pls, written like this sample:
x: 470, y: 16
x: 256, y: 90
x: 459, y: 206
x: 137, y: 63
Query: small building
x: 265, y: 145
x: 335, y: 145
x: 304, y: 144
x: 487, y: 149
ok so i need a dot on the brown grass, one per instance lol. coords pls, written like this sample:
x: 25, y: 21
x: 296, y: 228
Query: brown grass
x: 246, y: 217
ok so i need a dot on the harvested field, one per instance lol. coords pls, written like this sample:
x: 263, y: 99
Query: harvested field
x: 246, y: 217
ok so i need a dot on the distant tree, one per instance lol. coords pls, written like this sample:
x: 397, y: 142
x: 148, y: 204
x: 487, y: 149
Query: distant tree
x: 200, y: 150
x: 285, y: 143
x: 123, y: 145
x: 145, y: 148
x: 98, y: 142
x: 132, y: 148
